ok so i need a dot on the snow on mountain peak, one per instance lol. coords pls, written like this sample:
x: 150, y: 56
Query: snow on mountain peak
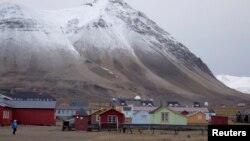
x: 241, y: 84
x: 112, y: 22
x: 73, y: 43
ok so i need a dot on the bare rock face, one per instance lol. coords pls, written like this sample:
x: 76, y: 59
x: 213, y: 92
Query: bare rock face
x: 102, y: 49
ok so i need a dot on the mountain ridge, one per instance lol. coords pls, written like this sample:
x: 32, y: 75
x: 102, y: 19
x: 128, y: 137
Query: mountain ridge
x: 105, y: 49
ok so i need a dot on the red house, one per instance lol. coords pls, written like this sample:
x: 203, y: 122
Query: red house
x: 6, y: 112
x: 81, y: 120
x: 28, y: 108
x: 5, y: 115
x: 111, y: 116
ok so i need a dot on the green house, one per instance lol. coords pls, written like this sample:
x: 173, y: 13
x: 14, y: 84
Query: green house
x: 164, y: 115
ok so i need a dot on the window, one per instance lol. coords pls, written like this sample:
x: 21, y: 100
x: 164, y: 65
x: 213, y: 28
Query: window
x: 164, y: 117
x: 58, y: 111
x: 97, y: 117
x: 199, y: 117
x: 143, y: 117
x: 127, y: 108
x: 6, y: 114
x: 111, y: 119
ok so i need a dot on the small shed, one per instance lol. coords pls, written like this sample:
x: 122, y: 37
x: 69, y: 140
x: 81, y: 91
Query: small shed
x: 81, y: 120
x: 164, y: 115
x: 219, y: 120
x: 196, y: 118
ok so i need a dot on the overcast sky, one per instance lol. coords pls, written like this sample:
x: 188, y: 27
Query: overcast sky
x: 217, y: 31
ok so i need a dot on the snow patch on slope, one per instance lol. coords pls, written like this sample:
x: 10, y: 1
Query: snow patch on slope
x: 241, y: 84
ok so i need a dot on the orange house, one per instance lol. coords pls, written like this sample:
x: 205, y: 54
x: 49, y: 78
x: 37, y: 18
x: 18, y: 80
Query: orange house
x: 196, y: 118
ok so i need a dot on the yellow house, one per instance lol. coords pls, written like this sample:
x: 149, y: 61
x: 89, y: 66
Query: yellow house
x: 196, y: 118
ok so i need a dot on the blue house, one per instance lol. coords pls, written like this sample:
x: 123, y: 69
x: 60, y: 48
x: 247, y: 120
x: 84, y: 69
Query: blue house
x: 141, y: 117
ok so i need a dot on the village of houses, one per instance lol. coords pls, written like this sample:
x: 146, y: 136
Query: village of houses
x: 40, y: 109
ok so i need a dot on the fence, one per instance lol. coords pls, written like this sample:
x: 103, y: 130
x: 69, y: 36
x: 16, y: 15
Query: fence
x: 125, y: 127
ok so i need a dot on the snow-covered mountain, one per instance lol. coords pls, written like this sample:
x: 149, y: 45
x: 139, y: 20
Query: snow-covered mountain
x: 30, y: 42
x: 241, y: 84
x: 101, y: 48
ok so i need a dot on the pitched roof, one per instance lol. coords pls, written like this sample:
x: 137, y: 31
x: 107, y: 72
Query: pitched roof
x: 141, y: 108
x: 168, y: 109
x: 4, y: 97
x: 109, y: 110
x: 29, y: 95
x: 193, y: 113
x: 189, y: 109
x: 98, y: 111
x: 5, y: 105
x: 120, y: 102
x: 134, y: 102
x: 32, y: 104
x: 137, y: 112
x: 67, y: 108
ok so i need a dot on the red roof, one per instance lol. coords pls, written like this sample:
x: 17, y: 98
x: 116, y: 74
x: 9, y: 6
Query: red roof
x: 109, y: 110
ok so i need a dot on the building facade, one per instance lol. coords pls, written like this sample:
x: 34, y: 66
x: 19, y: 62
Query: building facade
x: 141, y: 117
x: 196, y: 118
x: 28, y: 108
x: 164, y: 115
x: 112, y: 116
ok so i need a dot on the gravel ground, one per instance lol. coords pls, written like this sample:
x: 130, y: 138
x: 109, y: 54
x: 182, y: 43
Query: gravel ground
x: 54, y: 133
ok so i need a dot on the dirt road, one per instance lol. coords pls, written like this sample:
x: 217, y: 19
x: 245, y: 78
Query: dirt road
x: 54, y: 133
